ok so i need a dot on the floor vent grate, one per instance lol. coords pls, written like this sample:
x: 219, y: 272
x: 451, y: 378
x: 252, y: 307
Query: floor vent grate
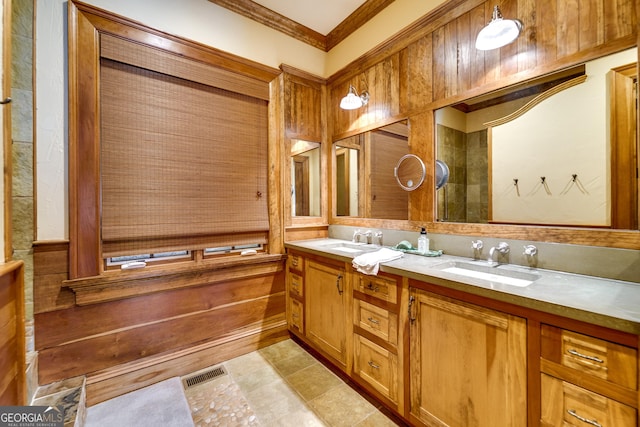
x: 203, y: 376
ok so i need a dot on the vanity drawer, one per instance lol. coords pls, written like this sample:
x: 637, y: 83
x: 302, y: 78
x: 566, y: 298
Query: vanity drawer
x: 592, y: 356
x: 377, y: 366
x: 565, y: 404
x: 377, y: 321
x: 295, y: 261
x: 384, y: 288
x: 296, y: 313
x: 296, y: 284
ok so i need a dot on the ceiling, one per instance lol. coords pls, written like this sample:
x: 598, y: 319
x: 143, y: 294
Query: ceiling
x: 321, y: 16
x: 321, y: 24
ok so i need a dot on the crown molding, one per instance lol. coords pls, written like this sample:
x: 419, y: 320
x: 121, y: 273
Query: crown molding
x: 278, y: 22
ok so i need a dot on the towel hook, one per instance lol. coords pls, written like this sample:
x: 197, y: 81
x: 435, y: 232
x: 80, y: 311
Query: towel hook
x: 5, y: 101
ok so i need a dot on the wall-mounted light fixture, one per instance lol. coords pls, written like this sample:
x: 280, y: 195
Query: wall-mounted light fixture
x: 352, y: 100
x: 499, y: 32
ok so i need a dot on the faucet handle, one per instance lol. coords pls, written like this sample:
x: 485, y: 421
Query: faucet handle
x: 477, y: 244
x: 377, y: 238
x: 503, y: 248
x: 530, y: 250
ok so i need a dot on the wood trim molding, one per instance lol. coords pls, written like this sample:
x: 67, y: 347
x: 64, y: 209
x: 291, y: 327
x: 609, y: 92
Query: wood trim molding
x: 302, y: 74
x: 537, y: 100
x: 125, y: 284
x: 274, y: 20
x: 124, y: 378
x: 357, y: 19
x: 278, y: 22
x: 86, y: 25
x: 6, y: 128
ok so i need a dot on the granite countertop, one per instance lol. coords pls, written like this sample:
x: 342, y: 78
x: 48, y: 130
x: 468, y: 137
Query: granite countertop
x: 610, y: 303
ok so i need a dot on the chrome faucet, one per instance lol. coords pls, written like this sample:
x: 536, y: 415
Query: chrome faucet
x: 357, y: 234
x: 531, y: 254
x: 502, y: 249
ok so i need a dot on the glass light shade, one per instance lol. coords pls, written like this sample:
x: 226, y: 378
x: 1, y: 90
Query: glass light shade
x: 499, y: 32
x: 351, y: 101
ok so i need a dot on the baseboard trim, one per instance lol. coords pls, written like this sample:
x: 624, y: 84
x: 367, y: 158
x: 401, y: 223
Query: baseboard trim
x: 121, y: 379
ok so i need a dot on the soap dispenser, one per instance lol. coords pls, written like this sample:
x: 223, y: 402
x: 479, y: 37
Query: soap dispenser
x: 423, y: 242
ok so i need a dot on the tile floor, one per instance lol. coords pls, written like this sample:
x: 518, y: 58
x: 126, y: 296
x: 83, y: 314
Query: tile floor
x: 280, y: 385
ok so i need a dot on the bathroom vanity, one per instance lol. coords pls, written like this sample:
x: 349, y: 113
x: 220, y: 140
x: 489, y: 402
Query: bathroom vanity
x: 447, y: 349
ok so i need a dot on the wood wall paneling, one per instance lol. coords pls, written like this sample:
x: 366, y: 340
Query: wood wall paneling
x: 12, y: 335
x: 81, y: 340
x: 442, y: 67
x: 303, y: 108
x: 109, y: 383
x: 50, y: 271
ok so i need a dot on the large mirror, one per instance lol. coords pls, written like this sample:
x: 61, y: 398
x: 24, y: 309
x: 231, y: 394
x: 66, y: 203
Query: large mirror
x: 366, y: 185
x: 305, y: 178
x: 559, y: 151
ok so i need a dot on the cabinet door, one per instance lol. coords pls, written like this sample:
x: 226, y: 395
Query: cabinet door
x: 325, y: 305
x: 467, y: 364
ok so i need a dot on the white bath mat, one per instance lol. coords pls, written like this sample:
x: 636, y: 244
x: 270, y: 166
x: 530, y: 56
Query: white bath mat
x: 161, y: 404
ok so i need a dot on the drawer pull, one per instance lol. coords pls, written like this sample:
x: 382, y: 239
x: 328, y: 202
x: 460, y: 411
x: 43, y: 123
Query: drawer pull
x: 373, y: 365
x: 340, y: 291
x: 374, y: 321
x: 583, y: 419
x: 295, y: 316
x: 372, y: 288
x: 585, y: 356
x: 411, y: 300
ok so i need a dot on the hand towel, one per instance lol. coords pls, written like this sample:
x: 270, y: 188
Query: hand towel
x: 369, y: 263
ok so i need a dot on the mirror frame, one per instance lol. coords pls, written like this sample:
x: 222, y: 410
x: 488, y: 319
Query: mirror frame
x: 422, y: 143
x: 293, y: 221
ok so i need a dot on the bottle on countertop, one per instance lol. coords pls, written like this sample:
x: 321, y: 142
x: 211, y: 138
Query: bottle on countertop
x: 423, y: 242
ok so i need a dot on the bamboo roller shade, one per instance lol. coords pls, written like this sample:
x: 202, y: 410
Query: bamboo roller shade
x: 142, y: 56
x: 180, y: 162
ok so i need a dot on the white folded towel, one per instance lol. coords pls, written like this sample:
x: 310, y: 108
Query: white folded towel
x: 369, y: 263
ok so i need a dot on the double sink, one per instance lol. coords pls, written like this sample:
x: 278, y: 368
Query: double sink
x: 506, y: 274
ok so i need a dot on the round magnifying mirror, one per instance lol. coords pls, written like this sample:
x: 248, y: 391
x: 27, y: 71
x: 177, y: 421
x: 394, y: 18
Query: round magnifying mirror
x: 410, y: 172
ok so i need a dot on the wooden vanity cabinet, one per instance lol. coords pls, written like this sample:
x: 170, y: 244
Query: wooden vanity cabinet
x: 377, y: 363
x: 586, y: 381
x: 468, y: 364
x: 319, y: 305
x: 445, y: 358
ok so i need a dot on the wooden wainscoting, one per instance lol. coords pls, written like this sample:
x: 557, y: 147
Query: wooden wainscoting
x: 12, y: 335
x: 122, y: 344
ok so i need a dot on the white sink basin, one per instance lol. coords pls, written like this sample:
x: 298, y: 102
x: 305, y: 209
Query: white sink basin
x: 350, y: 247
x: 504, y: 274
